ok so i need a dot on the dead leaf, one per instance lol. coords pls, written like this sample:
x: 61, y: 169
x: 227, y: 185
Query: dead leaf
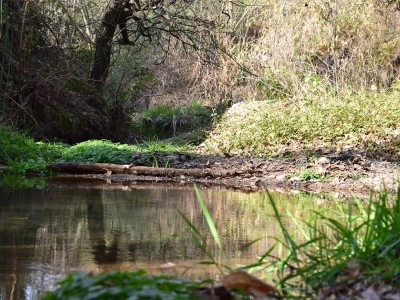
x: 265, y: 144
x: 250, y: 284
x: 168, y: 266
x: 324, y: 293
x: 350, y: 272
x: 369, y: 294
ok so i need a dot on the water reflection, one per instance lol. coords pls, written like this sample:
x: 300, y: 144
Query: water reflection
x: 47, y: 231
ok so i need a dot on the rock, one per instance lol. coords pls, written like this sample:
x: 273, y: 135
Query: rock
x: 322, y: 160
x: 281, y: 177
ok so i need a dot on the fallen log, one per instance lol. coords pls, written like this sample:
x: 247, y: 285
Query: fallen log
x: 98, y: 168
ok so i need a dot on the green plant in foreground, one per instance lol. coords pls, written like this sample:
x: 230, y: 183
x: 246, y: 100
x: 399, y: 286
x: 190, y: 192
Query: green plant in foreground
x: 371, y: 237
x: 122, y: 285
x: 197, y: 236
x: 368, y: 234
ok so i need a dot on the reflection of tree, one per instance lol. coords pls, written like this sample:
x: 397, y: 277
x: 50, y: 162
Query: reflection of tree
x: 14, y: 213
x: 46, y: 234
x: 103, y: 254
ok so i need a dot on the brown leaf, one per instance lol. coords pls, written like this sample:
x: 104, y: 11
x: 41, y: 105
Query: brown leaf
x: 369, y: 294
x: 350, y: 272
x: 265, y: 144
x: 248, y: 283
x: 168, y: 266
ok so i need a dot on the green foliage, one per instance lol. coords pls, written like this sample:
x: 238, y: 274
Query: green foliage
x: 163, y: 121
x: 308, y: 174
x: 369, y: 235
x: 21, y: 154
x: 271, y: 87
x: 118, y: 285
x: 104, y: 151
x: 269, y: 128
x: 99, y: 151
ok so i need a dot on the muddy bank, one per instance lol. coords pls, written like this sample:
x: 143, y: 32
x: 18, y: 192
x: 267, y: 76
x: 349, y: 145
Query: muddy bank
x: 342, y: 173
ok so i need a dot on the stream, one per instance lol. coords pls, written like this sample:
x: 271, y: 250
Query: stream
x: 49, y: 228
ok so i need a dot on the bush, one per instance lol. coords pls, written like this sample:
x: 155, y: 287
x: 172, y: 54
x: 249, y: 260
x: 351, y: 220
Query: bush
x: 165, y: 122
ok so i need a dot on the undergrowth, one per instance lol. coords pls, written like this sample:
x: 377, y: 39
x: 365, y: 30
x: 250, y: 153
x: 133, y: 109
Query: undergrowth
x: 364, y: 235
x: 164, y: 122
x: 368, y: 120
x: 304, y: 174
x: 367, y: 234
x: 20, y: 154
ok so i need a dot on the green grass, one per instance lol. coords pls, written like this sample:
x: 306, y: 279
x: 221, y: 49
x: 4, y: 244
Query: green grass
x: 104, y: 151
x: 365, y: 233
x: 20, y: 154
x: 365, y: 119
x: 368, y: 234
x: 304, y: 174
x: 165, y: 122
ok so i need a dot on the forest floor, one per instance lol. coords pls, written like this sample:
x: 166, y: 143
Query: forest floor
x: 343, y: 173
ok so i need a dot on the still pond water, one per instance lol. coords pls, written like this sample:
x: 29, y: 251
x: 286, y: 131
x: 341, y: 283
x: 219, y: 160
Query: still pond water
x: 56, y: 227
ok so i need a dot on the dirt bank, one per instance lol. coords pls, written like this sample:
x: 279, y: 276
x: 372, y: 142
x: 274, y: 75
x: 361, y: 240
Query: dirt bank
x: 342, y: 173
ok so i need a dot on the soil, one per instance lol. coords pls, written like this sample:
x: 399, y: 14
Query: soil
x: 343, y: 173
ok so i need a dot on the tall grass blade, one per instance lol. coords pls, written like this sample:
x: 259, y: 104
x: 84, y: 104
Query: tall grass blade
x: 291, y: 244
x: 196, y: 239
x: 209, y: 219
x: 247, y: 245
x: 189, y: 223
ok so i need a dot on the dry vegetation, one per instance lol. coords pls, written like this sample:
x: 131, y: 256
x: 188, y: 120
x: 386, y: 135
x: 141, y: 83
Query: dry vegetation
x: 278, y: 49
x: 268, y: 50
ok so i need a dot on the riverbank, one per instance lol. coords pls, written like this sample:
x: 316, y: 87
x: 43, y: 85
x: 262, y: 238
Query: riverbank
x: 341, y: 173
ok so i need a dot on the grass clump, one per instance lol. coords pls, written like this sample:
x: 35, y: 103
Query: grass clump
x: 104, y: 151
x: 364, y: 238
x: 98, y: 151
x: 304, y: 174
x: 271, y: 128
x: 339, y: 255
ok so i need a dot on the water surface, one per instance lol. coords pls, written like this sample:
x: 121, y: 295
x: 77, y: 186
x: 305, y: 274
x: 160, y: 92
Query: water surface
x: 56, y: 227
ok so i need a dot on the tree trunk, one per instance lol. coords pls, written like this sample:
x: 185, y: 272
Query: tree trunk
x: 78, y: 167
x: 104, y: 42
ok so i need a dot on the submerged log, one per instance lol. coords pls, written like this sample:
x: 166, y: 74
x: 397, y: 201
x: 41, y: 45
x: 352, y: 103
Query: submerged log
x: 90, y: 168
